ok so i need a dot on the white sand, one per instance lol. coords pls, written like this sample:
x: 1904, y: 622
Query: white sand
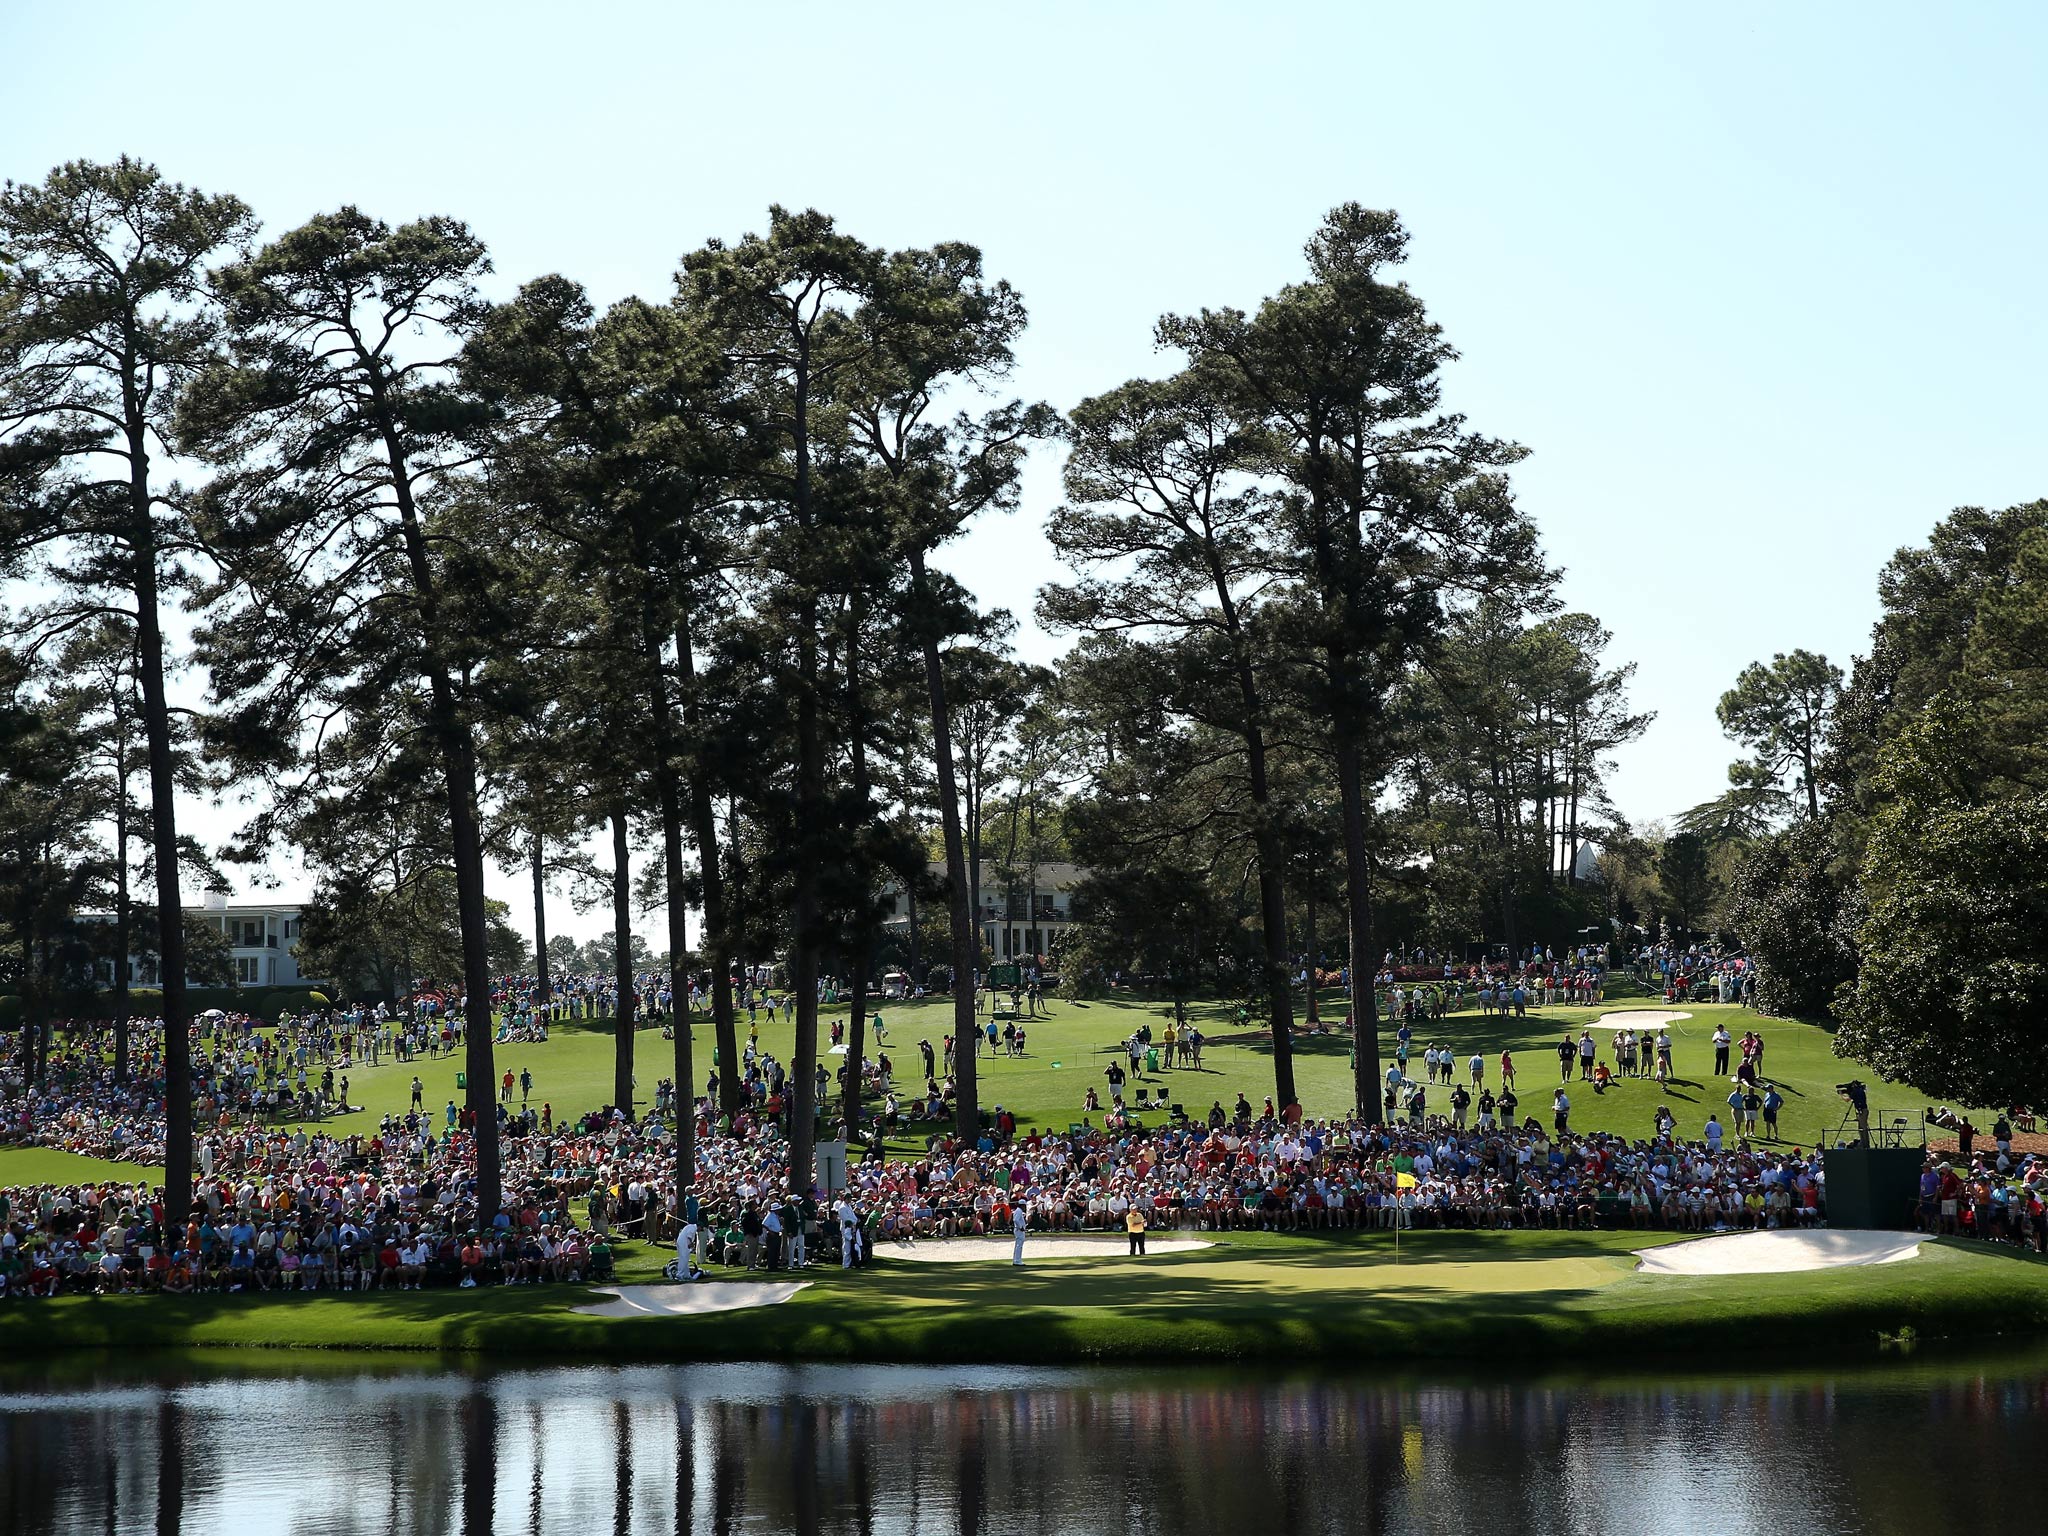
x: 1778, y: 1253
x: 1639, y: 1018
x: 1067, y: 1245
x: 700, y: 1296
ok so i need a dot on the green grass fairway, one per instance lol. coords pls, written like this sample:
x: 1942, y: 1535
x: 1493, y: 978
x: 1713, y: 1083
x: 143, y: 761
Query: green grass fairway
x: 1495, y: 1296
x: 38, y: 1165
x: 573, y: 1070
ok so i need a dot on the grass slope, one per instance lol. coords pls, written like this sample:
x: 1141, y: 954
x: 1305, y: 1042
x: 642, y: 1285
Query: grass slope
x: 39, y: 1165
x: 573, y: 1070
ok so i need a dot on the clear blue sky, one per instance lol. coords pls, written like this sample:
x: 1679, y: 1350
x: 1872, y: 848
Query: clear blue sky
x: 1760, y: 286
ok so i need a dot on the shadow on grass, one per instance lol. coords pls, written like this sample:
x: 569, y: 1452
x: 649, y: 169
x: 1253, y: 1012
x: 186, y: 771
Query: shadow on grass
x: 1304, y: 1045
x: 2004, y: 1251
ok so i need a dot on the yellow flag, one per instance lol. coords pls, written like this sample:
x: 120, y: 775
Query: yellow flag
x: 1404, y: 1181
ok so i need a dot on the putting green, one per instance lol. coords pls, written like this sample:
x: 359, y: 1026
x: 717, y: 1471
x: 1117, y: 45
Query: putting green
x: 1484, y: 1278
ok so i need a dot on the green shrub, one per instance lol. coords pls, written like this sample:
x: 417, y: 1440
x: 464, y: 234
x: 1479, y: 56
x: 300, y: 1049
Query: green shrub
x: 269, y: 1002
x: 228, y: 999
x: 143, y: 1002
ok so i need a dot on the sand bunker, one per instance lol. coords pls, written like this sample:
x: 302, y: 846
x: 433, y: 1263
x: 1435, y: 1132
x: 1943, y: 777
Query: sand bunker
x: 1640, y: 1018
x: 692, y: 1300
x: 1068, y: 1245
x: 1778, y: 1253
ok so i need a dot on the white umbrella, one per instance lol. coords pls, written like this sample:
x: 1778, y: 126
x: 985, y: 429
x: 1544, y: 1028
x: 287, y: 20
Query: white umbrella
x: 213, y: 1013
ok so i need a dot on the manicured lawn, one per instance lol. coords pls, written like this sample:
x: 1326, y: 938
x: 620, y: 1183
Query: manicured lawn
x: 573, y: 1070
x: 39, y: 1165
x: 1335, y: 1298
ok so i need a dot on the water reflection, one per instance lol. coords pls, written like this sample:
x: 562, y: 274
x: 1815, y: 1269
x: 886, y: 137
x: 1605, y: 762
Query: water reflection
x: 170, y: 1469
x: 858, y: 1451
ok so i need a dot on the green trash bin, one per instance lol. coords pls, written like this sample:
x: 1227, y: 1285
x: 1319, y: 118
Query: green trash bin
x: 1152, y: 1061
x: 462, y: 1080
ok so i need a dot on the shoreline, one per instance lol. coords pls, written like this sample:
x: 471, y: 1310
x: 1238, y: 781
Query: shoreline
x: 1563, y: 1299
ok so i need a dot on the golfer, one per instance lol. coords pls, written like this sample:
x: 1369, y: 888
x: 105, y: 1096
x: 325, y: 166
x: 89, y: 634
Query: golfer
x: 849, y: 1230
x: 686, y: 1253
x: 1134, y: 1224
x: 1018, y: 1224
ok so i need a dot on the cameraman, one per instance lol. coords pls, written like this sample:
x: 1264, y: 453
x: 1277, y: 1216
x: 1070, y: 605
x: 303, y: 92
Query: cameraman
x: 1859, y: 1101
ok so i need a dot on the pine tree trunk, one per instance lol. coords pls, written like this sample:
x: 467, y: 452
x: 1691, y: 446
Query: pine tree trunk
x: 170, y: 911
x: 123, y: 918
x: 1571, y: 877
x: 971, y: 830
x: 717, y: 918
x: 805, y: 915
x: 1314, y: 1012
x: 967, y: 1118
x: 540, y: 919
x: 806, y: 936
x: 1365, y: 1023
x: 1265, y: 840
x: 1273, y: 925
x: 863, y: 935
x: 670, y: 798
x: 915, y: 968
x: 625, y: 1010
x: 458, y: 762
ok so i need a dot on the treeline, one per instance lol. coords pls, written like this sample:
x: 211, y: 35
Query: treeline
x: 489, y: 581
x: 1886, y: 832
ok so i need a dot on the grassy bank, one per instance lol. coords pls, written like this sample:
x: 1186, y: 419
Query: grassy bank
x: 1470, y: 1296
x: 1068, y: 1051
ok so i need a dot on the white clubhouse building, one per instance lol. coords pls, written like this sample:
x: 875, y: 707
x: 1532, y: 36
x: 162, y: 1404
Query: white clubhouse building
x: 260, y: 937
x: 1024, y: 909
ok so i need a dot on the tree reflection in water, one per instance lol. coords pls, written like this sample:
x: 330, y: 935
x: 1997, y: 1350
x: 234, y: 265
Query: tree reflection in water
x: 479, y: 1414
x: 872, y: 1452
x: 170, y: 1468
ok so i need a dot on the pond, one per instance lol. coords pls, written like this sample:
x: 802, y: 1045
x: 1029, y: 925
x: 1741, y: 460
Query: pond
x: 338, y: 1445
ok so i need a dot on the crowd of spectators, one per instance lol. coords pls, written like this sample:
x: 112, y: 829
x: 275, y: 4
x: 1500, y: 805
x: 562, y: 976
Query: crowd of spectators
x: 306, y: 1210
x: 303, y: 1207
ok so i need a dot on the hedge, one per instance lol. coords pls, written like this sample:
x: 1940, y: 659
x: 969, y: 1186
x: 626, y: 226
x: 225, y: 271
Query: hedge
x: 147, y: 1002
